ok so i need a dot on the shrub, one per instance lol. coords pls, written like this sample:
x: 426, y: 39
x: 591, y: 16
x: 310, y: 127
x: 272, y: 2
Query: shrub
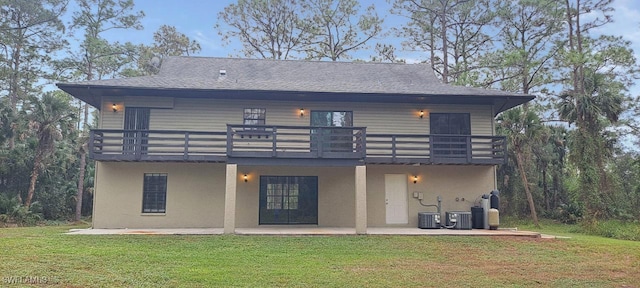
x: 23, y: 216
x: 624, y: 230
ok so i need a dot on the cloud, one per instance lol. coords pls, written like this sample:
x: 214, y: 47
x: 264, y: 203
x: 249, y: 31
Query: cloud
x: 210, y: 44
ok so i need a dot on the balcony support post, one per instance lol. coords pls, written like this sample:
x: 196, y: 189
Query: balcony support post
x: 361, y: 199
x: 230, y: 199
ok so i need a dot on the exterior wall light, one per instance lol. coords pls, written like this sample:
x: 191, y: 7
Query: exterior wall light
x: 415, y: 179
x: 421, y: 114
x: 301, y: 112
x: 246, y: 178
x: 114, y: 107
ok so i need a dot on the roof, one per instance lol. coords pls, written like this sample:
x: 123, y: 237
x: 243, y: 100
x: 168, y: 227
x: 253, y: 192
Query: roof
x: 351, y: 80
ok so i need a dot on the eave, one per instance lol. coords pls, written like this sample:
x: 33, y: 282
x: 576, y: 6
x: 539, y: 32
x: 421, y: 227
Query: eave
x: 93, y: 94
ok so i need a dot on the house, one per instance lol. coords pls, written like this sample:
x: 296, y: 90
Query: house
x: 245, y: 143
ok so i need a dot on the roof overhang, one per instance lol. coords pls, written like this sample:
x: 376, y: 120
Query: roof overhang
x: 93, y: 95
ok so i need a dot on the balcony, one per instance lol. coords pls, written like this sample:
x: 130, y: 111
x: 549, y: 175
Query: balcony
x: 260, y: 144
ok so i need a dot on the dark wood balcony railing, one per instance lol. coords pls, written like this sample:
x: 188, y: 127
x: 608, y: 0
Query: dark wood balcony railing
x: 157, y: 145
x: 435, y: 149
x: 259, y: 141
x: 294, y: 142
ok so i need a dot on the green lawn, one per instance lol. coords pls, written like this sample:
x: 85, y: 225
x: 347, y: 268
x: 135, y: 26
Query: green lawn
x: 46, y: 256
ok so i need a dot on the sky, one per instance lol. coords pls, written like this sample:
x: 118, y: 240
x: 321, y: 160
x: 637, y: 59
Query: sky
x: 196, y: 19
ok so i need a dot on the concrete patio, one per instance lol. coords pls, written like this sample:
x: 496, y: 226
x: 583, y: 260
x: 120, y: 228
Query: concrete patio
x: 304, y: 231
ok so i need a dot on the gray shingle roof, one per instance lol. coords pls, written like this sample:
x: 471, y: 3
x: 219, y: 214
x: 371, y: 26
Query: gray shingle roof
x: 202, y: 73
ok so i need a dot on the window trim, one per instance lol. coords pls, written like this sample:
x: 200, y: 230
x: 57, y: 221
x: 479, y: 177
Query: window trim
x: 146, y: 210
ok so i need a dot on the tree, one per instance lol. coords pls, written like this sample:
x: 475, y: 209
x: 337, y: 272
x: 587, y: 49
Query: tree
x: 268, y: 29
x: 600, y: 104
x: 167, y: 42
x: 29, y: 33
x: 338, y: 28
x: 600, y: 70
x: 523, y: 130
x: 529, y: 31
x: 49, y: 118
x: 451, y: 31
x: 97, y: 58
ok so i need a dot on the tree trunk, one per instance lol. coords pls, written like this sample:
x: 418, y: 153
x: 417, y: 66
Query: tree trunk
x: 37, y: 162
x: 545, y: 190
x: 443, y: 34
x: 79, y: 194
x: 525, y: 183
x: 83, y: 164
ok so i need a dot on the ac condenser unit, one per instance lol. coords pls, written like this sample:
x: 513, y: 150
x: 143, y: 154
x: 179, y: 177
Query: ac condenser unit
x: 428, y: 220
x: 458, y: 220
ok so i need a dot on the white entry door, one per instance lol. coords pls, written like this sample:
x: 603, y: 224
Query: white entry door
x: 395, y: 187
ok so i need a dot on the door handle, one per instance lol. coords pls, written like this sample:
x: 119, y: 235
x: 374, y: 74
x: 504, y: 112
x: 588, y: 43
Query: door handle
x: 386, y: 201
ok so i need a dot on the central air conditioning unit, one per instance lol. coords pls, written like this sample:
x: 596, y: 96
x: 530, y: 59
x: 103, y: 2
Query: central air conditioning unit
x: 460, y: 220
x: 428, y: 220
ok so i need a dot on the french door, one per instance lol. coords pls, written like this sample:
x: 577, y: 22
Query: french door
x: 332, y: 140
x: 288, y: 200
x: 135, y: 119
x: 445, y: 127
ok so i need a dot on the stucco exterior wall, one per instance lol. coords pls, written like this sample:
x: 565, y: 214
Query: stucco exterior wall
x: 195, y: 195
x: 336, y: 193
x: 448, y: 181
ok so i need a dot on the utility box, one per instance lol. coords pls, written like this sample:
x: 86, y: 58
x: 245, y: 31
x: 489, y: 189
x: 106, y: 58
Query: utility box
x: 428, y: 220
x: 477, y: 217
x: 460, y: 220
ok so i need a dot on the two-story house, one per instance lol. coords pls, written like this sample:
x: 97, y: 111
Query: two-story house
x: 241, y: 143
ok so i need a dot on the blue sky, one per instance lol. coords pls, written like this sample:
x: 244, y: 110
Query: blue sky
x: 196, y: 19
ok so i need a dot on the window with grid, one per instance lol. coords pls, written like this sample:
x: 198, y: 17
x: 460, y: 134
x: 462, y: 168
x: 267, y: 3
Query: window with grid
x: 282, y: 196
x: 254, y: 116
x: 154, y: 195
x: 288, y: 200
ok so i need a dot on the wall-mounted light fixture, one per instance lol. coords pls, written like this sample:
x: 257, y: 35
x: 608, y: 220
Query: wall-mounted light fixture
x: 301, y: 112
x: 246, y: 178
x: 114, y: 107
x: 415, y: 179
x: 421, y: 114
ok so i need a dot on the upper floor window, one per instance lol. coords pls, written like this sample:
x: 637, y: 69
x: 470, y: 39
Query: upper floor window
x: 254, y: 116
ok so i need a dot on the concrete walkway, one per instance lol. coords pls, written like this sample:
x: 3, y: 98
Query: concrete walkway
x: 301, y: 231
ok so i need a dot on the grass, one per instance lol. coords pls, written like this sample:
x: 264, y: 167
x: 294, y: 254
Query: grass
x: 45, y: 254
x: 616, y: 229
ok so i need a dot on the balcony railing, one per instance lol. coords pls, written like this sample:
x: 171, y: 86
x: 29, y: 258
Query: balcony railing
x: 435, y: 149
x: 157, y: 145
x: 294, y: 142
x: 257, y: 141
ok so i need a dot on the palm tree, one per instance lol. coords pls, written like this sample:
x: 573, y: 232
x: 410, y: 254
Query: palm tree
x: 592, y: 111
x: 522, y: 128
x: 49, y: 117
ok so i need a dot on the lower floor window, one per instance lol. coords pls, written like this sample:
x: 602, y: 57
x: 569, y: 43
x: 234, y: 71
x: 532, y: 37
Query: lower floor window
x: 288, y: 200
x: 154, y: 195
